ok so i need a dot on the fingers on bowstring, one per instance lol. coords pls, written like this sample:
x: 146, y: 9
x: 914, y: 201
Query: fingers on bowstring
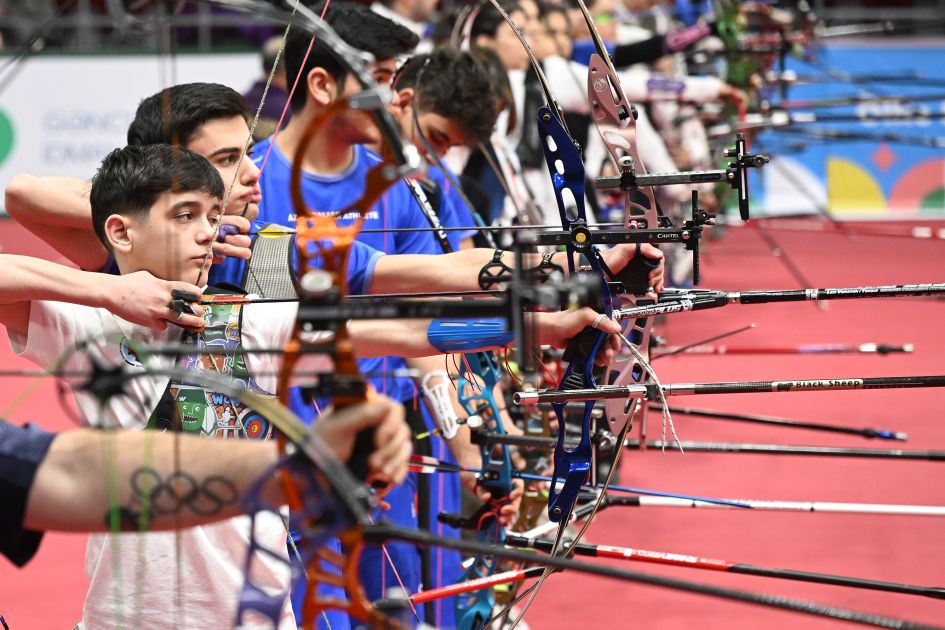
x: 183, y: 320
x: 184, y: 307
x: 242, y: 224
x: 234, y: 247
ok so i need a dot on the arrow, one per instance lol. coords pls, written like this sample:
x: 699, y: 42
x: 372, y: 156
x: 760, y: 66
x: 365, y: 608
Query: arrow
x: 711, y: 564
x: 790, y: 506
x: 424, y: 464
x: 882, y: 434
x: 804, y: 348
x: 727, y: 447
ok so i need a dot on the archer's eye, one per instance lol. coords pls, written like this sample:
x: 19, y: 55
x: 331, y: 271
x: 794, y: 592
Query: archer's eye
x: 228, y: 160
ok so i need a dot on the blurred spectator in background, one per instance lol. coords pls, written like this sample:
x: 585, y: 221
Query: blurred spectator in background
x: 22, y: 20
x: 412, y: 14
x: 276, y: 98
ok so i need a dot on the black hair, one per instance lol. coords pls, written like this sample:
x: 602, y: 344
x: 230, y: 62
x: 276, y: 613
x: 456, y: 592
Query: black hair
x: 130, y: 180
x: 488, y: 21
x: 360, y: 28
x: 454, y: 85
x: 173, y: 115
x: 547, y: 8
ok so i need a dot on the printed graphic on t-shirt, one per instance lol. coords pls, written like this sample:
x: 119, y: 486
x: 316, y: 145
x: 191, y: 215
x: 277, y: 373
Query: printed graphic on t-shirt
x: 192, y: 408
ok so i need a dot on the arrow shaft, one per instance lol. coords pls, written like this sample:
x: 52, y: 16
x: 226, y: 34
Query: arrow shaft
x: 383, y: 532
x: 424, y: 464
x: 727, y: 447
x: 478, y: 584
x: 650, y: 392
x: 884, y: 434
x: 806, y: 348
x: 781, y: 449
x: 685, y: 300
x: 713, y: 564
x: 791, y: 506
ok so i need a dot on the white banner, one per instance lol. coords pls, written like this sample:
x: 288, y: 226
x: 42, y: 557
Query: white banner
x: 62, y: 115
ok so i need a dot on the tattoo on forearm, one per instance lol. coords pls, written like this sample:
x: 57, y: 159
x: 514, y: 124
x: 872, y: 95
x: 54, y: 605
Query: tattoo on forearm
x: 180, y: 492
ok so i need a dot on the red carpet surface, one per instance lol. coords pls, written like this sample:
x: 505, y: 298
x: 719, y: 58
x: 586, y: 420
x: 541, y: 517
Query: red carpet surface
x: 48, y: 592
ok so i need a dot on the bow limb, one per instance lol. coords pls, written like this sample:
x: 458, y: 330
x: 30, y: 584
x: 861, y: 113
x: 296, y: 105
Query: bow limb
x: 614, y: 117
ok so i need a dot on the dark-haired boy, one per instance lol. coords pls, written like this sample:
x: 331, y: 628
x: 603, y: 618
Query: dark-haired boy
x: 156, y: 208
x: 445, y: 99
x: 335, y: 174
x: 207, y: 118
x: 335, y: 167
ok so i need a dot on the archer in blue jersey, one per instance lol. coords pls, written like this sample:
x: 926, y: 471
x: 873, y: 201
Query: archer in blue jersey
x: 453, y: 211
x: 395, y: 564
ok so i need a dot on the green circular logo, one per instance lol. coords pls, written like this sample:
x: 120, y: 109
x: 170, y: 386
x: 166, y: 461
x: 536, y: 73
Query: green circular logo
x: 6, y: 136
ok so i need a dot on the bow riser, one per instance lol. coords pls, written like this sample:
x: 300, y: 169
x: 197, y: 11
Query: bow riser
x: 572, y: 466
x: 614, y: 117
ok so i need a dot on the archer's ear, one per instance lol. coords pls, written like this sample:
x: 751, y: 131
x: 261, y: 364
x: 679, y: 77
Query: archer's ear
x: 322, y: 87
x: 401, y: 99
x: 117, y: 231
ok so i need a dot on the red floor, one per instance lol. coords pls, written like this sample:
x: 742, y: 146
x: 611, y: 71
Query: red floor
x: 891, y: 548
x: 48, y: 593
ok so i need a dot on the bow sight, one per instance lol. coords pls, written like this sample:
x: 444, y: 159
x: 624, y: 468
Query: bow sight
x: 736, y: 175
x: 582, y: 238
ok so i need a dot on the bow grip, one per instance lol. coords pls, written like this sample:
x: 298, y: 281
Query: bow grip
x: 581, y: 346
x: 363, y: 447
x: 635, y: 277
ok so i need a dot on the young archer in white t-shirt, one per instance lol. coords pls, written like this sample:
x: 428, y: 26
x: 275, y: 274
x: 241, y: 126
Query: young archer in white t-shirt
x: 156, y: 208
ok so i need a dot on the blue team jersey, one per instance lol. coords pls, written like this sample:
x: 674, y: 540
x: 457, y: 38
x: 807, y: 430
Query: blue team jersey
x: 397, y: 208
x: 453, y: 211
x: 397, y: 563
x: 361, y: 261
x: 584, y: 48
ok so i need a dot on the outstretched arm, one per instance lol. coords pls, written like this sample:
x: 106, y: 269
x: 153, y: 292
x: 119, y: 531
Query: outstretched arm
x: 138, y: 297
x: 408, y: 337
x: 68, y: 492
x: 57, y: 210
x: 459, y: 271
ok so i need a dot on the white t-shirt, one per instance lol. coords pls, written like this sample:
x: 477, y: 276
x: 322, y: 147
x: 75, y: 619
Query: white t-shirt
x: 134, y: 577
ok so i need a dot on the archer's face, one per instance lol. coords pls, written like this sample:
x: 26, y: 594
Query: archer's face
x: 532, y: 24
x: 359, y: 127
x: 420, y: 10
x: 442, y: 133
x: 559, y: 34
x: 507, y: 45
x: 605, y: 19
x: 173, y: 240
x: 221, y: 141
